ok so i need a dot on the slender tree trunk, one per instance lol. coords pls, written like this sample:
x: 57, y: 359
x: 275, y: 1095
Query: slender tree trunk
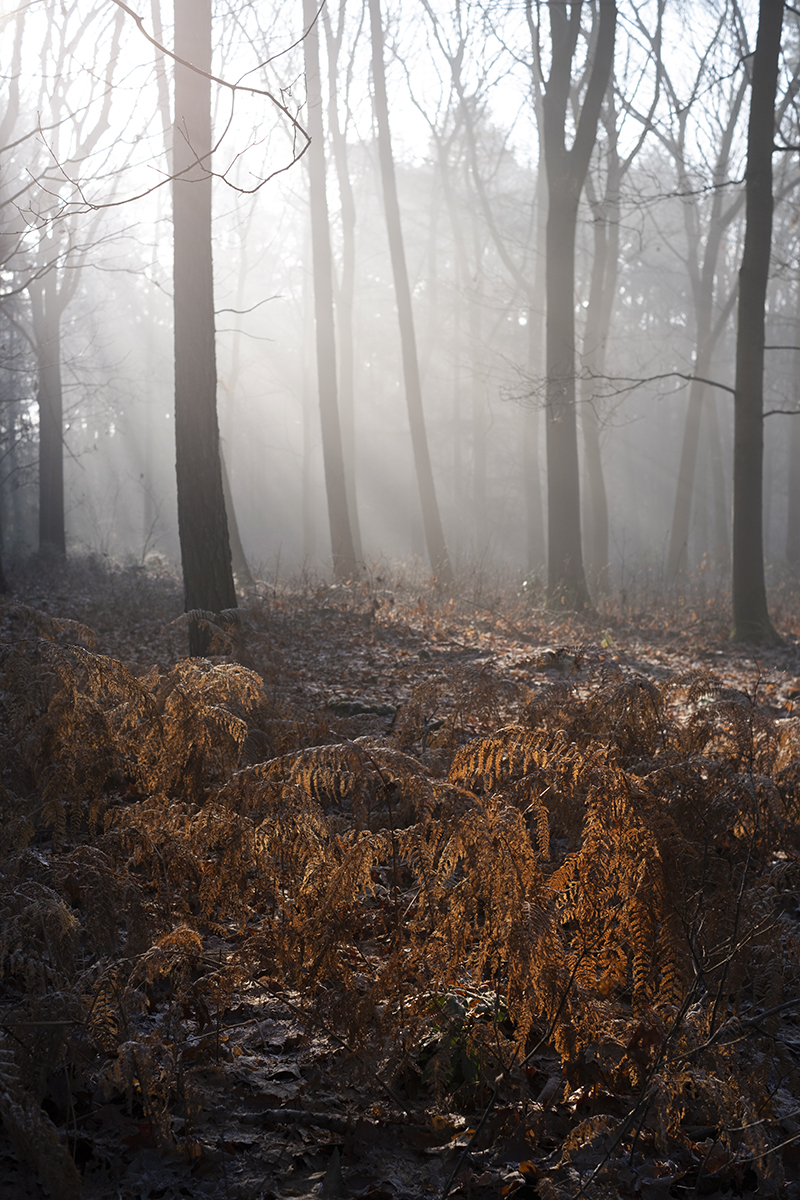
x: 345, y: 296
x: 458, y: 385
x: 536, y: 550
x: 596, y: 515
x: 205, y: 549
x: 565, y: 578
x: 678, y: 555
x: 702, y: 278
x: 149, y: 509
x: 310, y: 425
x: 434, y: 321
x: 342, y: 547
x: 768, y: 484
x: 434, y: 534
x: 242, y: 574
x: 722, y: 532
x: 793, y: 499
x: 459, y: 286
x: 479, y: 430
x: 751, y: 621
x: 46, y: 311
x: 602, y: 289
x: 241, y: 571
x: 566, y: 174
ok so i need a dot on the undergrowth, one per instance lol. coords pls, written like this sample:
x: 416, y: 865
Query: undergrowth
x: 601, y: 865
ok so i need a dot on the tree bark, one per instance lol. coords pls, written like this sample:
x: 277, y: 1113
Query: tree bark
x: 205, y: 549
x: 535, y: 541
x: 480, y: 431
x: 678, y: 553
x: 793, y: 499
x: 566, y: 174
x: 602, y: 289
x: 722, y: 523
x: 751, y: 621
x: 241, y: 569
x: 566, y: 581
x: 46, y: 309
x: 345, y: 294
x: 434, y: 534
x: 310, y: 424
x: 342, y: 546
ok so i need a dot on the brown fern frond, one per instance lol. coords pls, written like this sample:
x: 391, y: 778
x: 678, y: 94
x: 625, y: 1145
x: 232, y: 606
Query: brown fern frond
x: 29, y: 621
x: 219, y: 627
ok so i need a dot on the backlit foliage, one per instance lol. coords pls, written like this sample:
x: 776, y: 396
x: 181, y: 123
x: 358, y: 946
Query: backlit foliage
x: 611, y: 865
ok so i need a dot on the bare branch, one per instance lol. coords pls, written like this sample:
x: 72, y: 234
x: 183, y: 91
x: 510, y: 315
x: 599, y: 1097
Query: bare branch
x: 232, y: 87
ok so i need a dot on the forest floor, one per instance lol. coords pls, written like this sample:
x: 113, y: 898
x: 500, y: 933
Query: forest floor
x: 205, y: 1042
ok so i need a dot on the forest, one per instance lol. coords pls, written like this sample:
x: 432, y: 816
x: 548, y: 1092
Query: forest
x: 399, y: 599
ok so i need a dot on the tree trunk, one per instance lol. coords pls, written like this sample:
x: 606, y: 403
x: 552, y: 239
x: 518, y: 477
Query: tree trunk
x: 342, y: 547
x: 566, y: 174
x: 433, y: 331
x: 434, y: 534
x: 677, y: 557
x: 751, y: 621
x: 310, y: 425
x: 596, y: 514
x: 565, y: 578
x: 480, y: 427
x: 480, y: 431
x: 205, y: 549
x: 793, y: 499
x: 458, y: 386
x: 602, y: 289
x: 702, y: 277
x: 722, y: 531
x: 241, y: 570
x: 461, y: 273
x: 345, y: 296
x: 46, y: 311
x: 536, y: 550
x: 793, y: 515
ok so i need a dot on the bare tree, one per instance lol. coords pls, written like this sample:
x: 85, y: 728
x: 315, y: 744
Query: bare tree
x: 345, y: 286
x: 205, y: 548
x: 566, y: 173
x: 434, y: 534
x: 707, y: 215
x: 54, y: 267
x: 342, y: 547
x: 605, y: 205
x: 751, y: 620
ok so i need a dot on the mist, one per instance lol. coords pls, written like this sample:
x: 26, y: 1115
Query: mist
x: 87, y: 245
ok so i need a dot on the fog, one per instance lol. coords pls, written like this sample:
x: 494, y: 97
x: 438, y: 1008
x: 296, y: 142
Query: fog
x: 92, y: 215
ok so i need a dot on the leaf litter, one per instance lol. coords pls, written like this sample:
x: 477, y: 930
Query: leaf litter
x: 396, y: 896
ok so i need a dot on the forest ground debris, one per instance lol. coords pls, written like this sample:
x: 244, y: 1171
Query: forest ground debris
x: 513, y: 902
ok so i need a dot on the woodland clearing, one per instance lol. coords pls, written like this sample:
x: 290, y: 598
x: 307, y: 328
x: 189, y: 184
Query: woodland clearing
x: 395, y: 896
